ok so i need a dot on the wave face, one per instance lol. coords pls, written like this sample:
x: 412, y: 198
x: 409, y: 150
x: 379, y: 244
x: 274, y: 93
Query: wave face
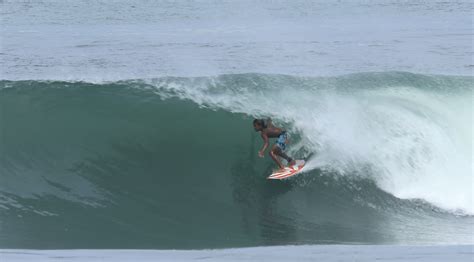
x: 171, y: 162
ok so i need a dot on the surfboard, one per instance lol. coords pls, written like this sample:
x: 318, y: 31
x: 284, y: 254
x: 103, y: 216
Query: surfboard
x: 288, y: 171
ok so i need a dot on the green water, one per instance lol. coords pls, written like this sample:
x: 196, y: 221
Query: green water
x: 114, y: 166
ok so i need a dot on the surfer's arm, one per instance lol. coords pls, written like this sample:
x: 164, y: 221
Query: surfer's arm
x: 265, y: 144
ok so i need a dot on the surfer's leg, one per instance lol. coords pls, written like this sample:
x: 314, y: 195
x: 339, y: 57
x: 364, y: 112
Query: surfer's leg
x: 273, y: 153
x: 282, y: 154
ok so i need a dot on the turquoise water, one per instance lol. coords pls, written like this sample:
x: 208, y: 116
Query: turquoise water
x: 139, y: 164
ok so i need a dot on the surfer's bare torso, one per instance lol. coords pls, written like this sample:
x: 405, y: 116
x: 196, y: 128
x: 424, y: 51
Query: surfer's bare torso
x: 271, y: 131
x: 268, y: 130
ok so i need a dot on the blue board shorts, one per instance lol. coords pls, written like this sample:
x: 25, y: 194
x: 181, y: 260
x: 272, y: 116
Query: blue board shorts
x: 281, y: 141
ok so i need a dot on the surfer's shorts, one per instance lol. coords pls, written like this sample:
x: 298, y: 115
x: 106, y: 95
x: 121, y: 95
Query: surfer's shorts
x: 281, y: 141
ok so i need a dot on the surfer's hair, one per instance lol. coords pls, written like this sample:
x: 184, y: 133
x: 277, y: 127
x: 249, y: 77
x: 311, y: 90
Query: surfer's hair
x: 260, y: 122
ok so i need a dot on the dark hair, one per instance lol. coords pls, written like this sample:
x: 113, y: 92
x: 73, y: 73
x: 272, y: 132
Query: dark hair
x: 260, y: 122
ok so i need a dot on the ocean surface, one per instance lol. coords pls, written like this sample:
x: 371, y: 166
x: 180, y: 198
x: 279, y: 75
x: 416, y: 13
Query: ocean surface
x: 303, y: 253
x: 128, y: 124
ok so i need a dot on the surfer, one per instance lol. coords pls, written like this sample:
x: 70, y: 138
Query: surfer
x: 268, y: 130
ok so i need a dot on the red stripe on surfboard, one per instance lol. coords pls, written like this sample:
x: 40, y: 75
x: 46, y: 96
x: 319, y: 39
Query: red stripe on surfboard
x: 286, y: 173
x: 277, y: 176
x: 282, y: 172
x: 283, y: 175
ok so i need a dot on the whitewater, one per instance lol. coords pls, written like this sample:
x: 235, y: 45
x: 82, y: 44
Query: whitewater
x: 413, y: 131
x: 128, y: 125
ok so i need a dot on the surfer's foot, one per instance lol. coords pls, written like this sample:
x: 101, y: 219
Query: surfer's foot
x: 292, y: 163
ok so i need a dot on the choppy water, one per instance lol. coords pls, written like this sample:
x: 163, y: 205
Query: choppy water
x: 135, y: 39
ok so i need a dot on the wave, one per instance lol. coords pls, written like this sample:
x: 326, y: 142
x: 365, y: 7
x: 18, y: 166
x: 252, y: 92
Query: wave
x: 171, y: 162
x: 413, y: 131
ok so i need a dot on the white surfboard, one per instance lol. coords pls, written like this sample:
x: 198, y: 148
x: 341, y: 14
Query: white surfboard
x: 288, y: 171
